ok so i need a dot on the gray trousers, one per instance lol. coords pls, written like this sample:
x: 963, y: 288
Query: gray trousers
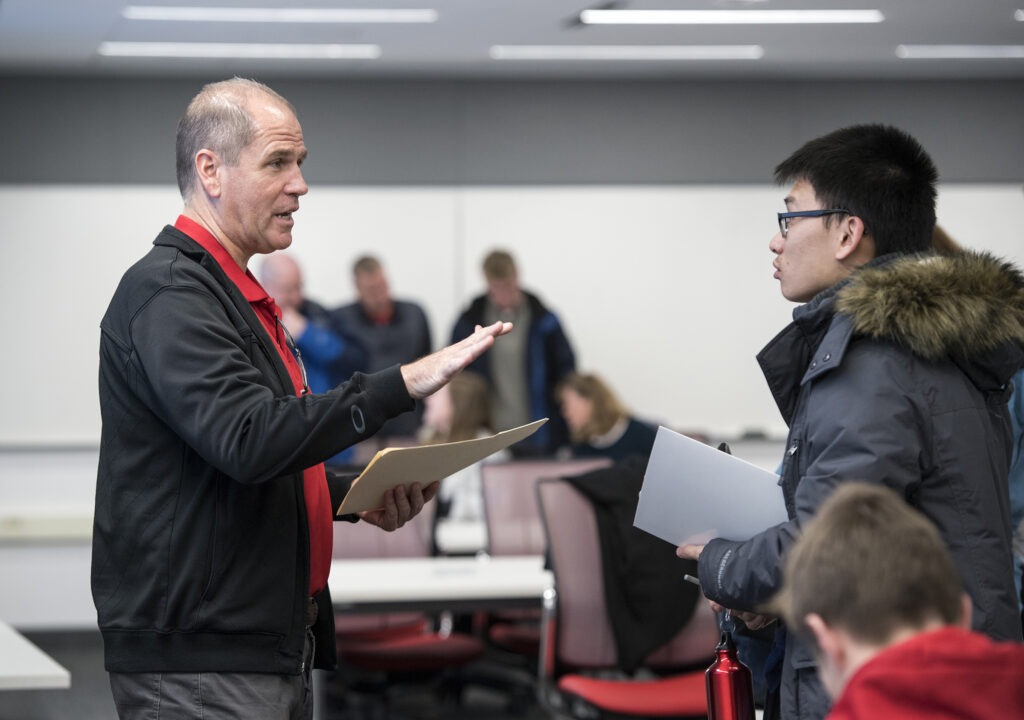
x: 215, y: 696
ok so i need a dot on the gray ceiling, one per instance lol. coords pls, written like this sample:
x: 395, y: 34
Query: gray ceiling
x: 63, y: 36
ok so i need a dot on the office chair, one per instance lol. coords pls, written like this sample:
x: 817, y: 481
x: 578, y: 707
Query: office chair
x: 360, y: 541
x: 510, y: 501
x: 384, y: 651
x: 578, y: 671
x: 514, y: 528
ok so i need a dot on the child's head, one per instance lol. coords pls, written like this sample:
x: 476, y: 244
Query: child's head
x: 870, y: 567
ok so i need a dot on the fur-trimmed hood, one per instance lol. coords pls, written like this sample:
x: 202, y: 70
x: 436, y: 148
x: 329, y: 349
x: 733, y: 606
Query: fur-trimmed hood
x: 965, y: 306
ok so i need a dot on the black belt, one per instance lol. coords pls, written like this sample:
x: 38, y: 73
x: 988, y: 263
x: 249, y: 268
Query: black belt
x: 312, y: 609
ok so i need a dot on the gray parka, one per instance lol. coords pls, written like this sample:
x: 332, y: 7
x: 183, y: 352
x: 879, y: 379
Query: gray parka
x: 898, y: 375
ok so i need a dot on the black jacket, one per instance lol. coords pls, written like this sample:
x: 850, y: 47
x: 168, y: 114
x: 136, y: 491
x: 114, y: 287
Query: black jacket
x: 900, y: 376
x: 647, y: 597
x: 201, y: 542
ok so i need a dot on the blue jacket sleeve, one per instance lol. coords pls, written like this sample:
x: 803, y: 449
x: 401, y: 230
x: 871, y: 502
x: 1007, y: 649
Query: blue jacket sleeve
x: 320, y: 346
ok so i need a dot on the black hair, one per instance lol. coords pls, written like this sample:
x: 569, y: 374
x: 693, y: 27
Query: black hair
x: 879, y: 173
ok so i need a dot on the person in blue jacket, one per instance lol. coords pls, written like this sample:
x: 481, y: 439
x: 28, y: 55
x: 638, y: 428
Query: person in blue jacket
x: 944, y: 244
x: 1017, y: 482
x: 329, y: 354
x: 524, y: 374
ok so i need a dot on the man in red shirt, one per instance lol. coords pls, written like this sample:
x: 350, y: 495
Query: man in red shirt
x: 214, y: 512
x: 871, y: 585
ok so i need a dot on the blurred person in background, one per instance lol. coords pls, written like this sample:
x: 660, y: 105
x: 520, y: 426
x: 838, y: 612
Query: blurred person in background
x: 522, y: 377
x: 599, y: 424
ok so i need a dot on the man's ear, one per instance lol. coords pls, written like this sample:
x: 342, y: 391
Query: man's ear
x: 855, y: 245
x: 966, y: 612
x: 828, y: 639
x: 208, y: 171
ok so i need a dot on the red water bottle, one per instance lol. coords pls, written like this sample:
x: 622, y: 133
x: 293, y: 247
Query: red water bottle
x: 729, y: 684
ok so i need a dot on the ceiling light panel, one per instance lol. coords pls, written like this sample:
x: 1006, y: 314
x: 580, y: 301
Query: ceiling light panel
x: 960, y: 52
x: 627, y: 52
x: 729, y: 17
x: 279, y: 15
x: 275, y: 51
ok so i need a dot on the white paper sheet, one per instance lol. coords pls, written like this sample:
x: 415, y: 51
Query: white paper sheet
x: 693, y: 492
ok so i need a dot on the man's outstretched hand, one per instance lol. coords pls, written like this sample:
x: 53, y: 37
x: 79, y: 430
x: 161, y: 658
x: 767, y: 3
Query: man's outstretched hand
x: 429, y: 374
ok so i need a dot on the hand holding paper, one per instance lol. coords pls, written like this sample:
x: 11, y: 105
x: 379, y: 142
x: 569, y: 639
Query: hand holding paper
x: 425, y: 464
x: 400, y: 505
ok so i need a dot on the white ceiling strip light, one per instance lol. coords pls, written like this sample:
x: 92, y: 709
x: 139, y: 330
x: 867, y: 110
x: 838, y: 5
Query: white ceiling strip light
x: 279, y: 15
x: 729, y: 17
x: 627, y: 52
x: 960, y: 52
x: 273, y: 51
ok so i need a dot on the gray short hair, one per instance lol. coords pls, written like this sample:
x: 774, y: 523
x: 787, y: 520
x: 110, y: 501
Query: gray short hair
x: 218, y: 118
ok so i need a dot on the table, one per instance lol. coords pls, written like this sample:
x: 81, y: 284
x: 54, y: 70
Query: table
x: 23, y: 666
x: 438, y: 583
x: 460, y: 537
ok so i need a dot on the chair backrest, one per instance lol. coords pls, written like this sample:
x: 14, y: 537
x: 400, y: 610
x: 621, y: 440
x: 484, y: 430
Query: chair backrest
x: 510, y: 501
x: 357, y: 541
x: 584, y: 637
x: 362, y: 540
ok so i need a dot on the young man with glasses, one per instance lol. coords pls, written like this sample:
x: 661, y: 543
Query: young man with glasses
x: 895, y: 370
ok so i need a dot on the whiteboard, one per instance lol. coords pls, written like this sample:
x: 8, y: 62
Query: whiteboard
x: 666, y: 291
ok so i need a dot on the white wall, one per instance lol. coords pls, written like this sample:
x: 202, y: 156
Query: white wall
x: 667, y: 291
x: 46, y: 501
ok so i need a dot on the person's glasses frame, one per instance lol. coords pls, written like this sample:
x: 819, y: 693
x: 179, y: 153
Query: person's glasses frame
x: 785, y: 217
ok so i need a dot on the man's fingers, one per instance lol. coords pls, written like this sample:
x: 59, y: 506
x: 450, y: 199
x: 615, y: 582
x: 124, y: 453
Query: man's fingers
x: 402, y: 507
x: 431, y: 490
x: 414, y: 503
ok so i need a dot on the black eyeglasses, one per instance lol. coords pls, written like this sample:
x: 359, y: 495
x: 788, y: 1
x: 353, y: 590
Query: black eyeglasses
x: 785, y: 217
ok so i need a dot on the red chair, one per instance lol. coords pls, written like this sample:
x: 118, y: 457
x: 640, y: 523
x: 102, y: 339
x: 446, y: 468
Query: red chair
x: 380, y: 653
x: 577, y: 671
x: 360, y: 541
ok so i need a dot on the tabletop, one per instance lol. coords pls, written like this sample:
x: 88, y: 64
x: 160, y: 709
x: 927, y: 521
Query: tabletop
x: 24, y: 666
x: 438, y: 583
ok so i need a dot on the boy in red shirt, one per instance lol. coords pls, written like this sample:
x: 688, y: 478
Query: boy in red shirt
x: 871, y: 585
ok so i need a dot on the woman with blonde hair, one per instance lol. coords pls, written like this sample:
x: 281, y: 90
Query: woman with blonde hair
x: 599, y: 424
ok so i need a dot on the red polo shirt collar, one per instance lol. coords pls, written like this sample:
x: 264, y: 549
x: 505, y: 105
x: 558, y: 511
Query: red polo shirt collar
x: 264, y: 305
x: 318, y: 499
x: 244, y: 280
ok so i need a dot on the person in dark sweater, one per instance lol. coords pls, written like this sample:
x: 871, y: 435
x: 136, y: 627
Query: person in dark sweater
x: 389, y: 330
x: 599, y: 424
